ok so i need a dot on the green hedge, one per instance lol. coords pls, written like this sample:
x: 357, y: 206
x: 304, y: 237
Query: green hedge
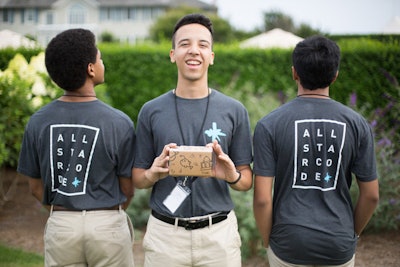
x: 135, y: 75
x: 261, y: 79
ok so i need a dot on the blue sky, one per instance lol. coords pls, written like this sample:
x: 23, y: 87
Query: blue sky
x: 334, y: 16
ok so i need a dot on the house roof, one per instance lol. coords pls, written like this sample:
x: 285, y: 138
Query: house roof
x: 109, y: 3
x: 193, y: 3
x: 393, y: 26
x: 26, y: 3
x: 273, y: 38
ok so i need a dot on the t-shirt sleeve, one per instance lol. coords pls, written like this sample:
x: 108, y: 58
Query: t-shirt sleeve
x: 264, y: 161
x: 144, y: 154
x: 241, y: 151
x: 127, y: 154
x: 364, y: 167
x: 28, y: 163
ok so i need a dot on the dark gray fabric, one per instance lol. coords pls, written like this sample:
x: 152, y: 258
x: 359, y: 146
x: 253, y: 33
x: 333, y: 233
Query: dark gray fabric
x: 84, y: 147
x: 227, y: 121
x: 311, y: 146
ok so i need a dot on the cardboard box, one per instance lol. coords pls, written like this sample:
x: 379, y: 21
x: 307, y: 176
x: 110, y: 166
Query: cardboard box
x: 191, y: 161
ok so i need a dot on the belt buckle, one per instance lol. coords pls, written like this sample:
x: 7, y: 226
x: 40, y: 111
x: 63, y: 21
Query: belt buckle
x: 190, y: 224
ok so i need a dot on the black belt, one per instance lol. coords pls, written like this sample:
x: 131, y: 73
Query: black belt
x: 192, y: 224
x: 61, y: 208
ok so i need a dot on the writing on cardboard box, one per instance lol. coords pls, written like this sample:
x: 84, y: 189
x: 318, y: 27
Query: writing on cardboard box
x: 191, y: 161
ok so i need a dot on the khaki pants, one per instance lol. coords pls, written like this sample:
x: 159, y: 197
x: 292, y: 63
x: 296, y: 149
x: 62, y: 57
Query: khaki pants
x: 274, y: 261
x: 89, y: 238
x: 213, y: 246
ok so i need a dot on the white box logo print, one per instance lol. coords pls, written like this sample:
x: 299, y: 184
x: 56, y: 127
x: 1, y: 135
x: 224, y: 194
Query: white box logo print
x: 318, y: 153
x: 71, y: 152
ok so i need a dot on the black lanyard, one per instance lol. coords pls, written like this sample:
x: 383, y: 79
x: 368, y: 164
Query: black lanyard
x: 192, y: 179
x: 179, y: 121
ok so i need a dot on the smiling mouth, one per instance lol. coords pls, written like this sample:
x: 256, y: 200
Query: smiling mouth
x: 193, y: 62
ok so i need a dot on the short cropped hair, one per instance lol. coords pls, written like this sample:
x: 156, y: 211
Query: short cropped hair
x: 191, y: 19
x: 316, y: 60
x: 68, y: 55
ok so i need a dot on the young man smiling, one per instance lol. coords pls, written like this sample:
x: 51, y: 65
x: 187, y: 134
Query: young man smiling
x: 197, y: 227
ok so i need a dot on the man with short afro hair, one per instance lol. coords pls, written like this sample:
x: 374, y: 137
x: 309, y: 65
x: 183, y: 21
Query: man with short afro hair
x: 77, y: 154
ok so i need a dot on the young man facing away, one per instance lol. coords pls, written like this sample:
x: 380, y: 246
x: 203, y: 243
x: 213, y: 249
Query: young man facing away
x: 305, y: 153
x: 78, y: 154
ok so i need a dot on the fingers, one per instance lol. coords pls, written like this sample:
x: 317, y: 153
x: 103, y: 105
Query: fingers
x: 216, y: 148
x: 168, y: 147
x: 162, y: 160
x: 159, y: 168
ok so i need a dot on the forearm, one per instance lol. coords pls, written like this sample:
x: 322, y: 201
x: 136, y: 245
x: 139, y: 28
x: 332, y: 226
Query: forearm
x: 144, y: 178
x: 246, y: 179
x: 126, y: 185
x: 36, y: 188
x: 263, y: 217
x: 263, y: 206
x: 366, y: 204
x: 363, y: 213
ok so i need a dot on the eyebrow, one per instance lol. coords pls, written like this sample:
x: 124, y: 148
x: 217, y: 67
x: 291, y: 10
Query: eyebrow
x: 187, y: 40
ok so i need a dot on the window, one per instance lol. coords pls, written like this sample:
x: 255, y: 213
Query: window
x: 114, y: 14
x: 156, y: 12
x: 104, y: 14
x: 149, y: 13
x: 49, y: 18
x: 118, y: 14
x: 146, y: 13
x: 77, y: 14
x: 133, y: 14
x: 8, y: 15
x: 30, y: 15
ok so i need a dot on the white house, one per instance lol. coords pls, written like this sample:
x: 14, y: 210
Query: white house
x: 127, y: 20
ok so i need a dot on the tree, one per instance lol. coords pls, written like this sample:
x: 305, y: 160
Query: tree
x: 276, y: 19
x: 305, y: 30
x: 162, y: 29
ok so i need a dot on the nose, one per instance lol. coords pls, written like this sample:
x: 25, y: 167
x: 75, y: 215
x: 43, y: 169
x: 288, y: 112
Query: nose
x: 193, y: 50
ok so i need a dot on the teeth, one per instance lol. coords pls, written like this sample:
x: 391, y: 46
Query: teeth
x: 192, y: 62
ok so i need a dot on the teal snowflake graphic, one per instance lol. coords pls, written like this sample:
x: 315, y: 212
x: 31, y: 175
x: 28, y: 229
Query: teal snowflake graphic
x: 214, y: 132
x: 76, y: 182
x: 327, y: 177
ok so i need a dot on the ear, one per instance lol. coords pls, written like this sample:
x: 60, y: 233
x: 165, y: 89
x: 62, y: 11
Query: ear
x: 90, y: 70
x: 294, y: 74
x: 212, y: 58
x: 334, y: 79
x: 172, y: 55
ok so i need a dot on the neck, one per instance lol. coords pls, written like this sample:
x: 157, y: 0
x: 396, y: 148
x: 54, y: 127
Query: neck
x: 318, y: 93
x: 79, y: 95
x: 192, y: 93
x: 314, y: 95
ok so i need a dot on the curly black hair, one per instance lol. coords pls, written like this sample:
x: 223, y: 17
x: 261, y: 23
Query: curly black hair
x: 68, y: 55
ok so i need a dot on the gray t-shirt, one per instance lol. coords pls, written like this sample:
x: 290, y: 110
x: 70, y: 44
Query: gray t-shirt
x: 312, y: 147
x: 225, y: 120
x: 79, y: 150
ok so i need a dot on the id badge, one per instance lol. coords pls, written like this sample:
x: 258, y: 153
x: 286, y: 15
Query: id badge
x: 177, y: 196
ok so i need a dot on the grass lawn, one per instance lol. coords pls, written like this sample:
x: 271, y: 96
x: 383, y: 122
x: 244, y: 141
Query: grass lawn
x: 11, y: 257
